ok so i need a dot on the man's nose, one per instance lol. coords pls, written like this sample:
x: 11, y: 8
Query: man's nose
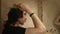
x: 25, y: 18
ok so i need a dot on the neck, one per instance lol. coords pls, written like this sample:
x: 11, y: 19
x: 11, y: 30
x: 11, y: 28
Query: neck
x: 17, y: 24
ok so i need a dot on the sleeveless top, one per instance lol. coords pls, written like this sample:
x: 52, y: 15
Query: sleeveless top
x: 14, y: 30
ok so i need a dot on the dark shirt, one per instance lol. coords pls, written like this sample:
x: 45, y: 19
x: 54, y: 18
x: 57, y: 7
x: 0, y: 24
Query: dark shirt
x: 14, y: 30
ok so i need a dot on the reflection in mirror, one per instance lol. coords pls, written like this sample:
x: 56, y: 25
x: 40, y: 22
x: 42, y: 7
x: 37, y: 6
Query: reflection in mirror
x: 57, y: 23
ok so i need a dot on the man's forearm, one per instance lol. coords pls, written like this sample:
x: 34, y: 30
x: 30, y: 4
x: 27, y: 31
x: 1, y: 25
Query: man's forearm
x: 37, y: 21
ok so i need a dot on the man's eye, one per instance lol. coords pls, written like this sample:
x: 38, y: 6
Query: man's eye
x: 59, y: 20
x: 24, y: 13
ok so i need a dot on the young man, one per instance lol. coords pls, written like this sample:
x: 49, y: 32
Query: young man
x: 17, y: 18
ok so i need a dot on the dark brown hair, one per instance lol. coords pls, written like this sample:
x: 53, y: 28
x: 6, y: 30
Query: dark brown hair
x: 13, y: 15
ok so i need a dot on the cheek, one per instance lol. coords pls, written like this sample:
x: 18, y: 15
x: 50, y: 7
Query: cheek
x: 22, y: 19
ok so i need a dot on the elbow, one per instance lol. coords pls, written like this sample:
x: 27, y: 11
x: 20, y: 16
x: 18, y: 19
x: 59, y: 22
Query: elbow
x: 44, y: 31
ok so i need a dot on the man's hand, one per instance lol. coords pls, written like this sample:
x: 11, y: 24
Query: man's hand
x: 23, y: 7
x: 20, y: 6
